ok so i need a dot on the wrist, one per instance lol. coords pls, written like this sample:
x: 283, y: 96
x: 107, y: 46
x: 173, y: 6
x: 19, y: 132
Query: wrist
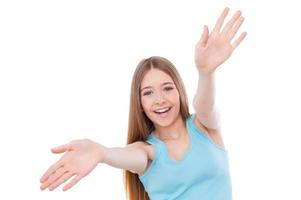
x: 206, y: 70
x: 101, y: 152
x: 205, y: 73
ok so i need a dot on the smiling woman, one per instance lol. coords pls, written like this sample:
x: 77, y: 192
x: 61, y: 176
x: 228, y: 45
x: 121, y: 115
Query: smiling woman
x: 170, y: 153
x: 160, y: 102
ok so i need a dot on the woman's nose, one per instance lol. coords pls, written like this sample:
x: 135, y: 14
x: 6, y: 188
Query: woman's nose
x: 159, y: 98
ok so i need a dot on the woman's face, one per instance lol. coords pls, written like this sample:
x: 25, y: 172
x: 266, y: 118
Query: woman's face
x: 159, y: 98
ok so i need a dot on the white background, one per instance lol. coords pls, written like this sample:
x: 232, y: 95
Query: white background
x: 66, y: 69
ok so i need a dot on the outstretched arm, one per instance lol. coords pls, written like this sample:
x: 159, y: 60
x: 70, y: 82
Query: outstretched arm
x: 204, y: 103
x: 82, y: 156
x: 211, y: 51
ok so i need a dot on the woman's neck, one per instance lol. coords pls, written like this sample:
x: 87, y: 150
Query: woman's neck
x: 173, y: 132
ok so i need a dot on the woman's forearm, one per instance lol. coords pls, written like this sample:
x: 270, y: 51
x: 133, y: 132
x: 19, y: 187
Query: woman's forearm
x: 204, y: 101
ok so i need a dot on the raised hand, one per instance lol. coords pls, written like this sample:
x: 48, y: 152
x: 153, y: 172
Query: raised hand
x: 214, y: 49
x: 80, y: 158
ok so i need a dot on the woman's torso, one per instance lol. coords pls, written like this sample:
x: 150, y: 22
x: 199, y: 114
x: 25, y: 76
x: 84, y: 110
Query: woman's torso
x: 195, y: 167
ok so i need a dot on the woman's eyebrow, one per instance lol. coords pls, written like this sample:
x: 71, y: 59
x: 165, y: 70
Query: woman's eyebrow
x: 165, y: 83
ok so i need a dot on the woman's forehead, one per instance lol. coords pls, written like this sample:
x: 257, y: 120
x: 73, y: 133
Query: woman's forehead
x: 155, y: 77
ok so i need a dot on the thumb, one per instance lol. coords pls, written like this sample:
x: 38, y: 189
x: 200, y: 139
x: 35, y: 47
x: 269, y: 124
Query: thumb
x: 205, y: 36
x: 60, y: 149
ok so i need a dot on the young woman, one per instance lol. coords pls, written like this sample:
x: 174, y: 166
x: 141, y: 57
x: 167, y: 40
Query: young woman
x: 170, y: 154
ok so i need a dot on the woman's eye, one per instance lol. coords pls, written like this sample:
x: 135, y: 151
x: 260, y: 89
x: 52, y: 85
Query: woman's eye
x: 168, y: 88
x: 150, y: 92
x: 147, y: 93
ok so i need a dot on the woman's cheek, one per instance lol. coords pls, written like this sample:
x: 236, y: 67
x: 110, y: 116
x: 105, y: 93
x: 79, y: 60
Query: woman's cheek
x: 145, y: 104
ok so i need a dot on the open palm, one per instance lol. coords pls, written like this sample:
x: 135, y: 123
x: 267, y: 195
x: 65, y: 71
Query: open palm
x: 80, y: 158
x: 214, y: 49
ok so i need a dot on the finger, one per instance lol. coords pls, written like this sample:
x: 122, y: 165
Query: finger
x: 220, y: 22
x: 61, y: 180
x: 234, y: 30
x: 238, y: 41
x: 205, y: 36
x: 232, y: 21
x: 72, y: 182
x: 53, y: 177
x: 50, y: 171
x: 60, y: 149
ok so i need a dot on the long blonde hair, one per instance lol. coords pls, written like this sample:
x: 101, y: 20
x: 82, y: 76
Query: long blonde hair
x: 139, y: 125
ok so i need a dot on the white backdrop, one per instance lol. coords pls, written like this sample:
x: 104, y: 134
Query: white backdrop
x: 66, y: 69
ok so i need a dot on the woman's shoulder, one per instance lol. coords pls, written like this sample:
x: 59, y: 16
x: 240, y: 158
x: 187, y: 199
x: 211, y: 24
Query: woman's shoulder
x: 198, y: 124
x: 213, y: 134
x: 145, y: 146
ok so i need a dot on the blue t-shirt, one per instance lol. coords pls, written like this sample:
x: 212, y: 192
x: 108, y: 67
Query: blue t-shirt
x: 202, y: 174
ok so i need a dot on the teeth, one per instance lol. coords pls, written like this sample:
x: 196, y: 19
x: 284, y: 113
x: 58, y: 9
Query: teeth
x: 162, y: 110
